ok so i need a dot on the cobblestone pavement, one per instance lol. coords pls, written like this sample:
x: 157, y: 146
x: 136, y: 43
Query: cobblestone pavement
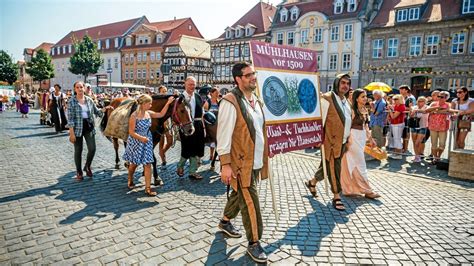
x: 47, y: 217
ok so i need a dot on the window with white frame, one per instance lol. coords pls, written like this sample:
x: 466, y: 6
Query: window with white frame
x: 109, y: 63
x: 348, y: 32
x: 158, y: 56
x: 139, y: 57
x: 144, y: 73
x: 377, y: 48
x: 128, y: 41
x: 58, y: 50
x: 294, y: 13
x: 144, y: 56
x: 132, y: 58
x: 318, y: 35
x: 64, y: 49
x: 217, y: 53
x: 333, y: 62
x: 432, y: 44
x: 126, y: 73
x: 116, y: 42
x: 335, y: 33
x: 279, y: 37
x: 467, y: 6
x: 472, y: 43
x: 454, y: 83
x: 238, y: 32
x: 107, y: 44
x: 318, y: 59
x: 248, y: 31
x: 351, y: 5
x: 457, y: 43
x: 414, y: 13
x: 131, y: 74
x: 284, y: 15
x: 125, y: 58
x: 304, y: 35
x: 415, y: 46
x: 139, y: 74
x: 159, y: 38
x: 346, y: 61
x: 52, y: 51
x: 70, y: 48
x: 227, y: 52
x: 402, y: 15
x: 246, y: 50
x: 290, y: 38
x: 338, y: 6
x: 228, y: 34
x: 152, y: 56
x: 236, y: 51
x: 116, y: 62
x: 392, y: 47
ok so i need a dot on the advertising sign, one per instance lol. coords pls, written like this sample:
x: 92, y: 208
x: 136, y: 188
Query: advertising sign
x: 288, y: 85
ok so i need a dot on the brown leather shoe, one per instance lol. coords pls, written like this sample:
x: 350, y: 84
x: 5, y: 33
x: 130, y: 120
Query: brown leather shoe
x: 88, y: 171
x: 79, y: 176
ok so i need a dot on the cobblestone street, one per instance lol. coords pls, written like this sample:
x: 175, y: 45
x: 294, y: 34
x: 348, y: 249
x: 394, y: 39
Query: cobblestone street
x: 48, y: 217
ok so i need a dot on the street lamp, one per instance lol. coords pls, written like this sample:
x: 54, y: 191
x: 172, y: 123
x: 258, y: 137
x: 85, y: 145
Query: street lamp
x: 374, y: 71
x: 109, y: 71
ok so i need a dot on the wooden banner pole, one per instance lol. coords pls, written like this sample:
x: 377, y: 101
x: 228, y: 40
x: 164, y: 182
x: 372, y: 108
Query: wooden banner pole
x: 325, y: 171
x: 272, y: 188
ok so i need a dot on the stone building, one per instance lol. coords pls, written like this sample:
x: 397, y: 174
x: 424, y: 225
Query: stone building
x: 333, y: 28
x: 143, y: 52
x: 232, y: 46
x: 25, y: 81
x: 427, y: 44
x: 110, y: 38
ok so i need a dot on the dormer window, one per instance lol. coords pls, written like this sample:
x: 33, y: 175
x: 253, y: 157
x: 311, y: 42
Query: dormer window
x: 467, y: 6
x: 284, y: 15
x: 402, y: 15
x: 228, y: 33
x: 99, y: 45
x: 238, y: 32
x: 294, y: 13
x: 249, y: 30
x: 338, y: 6
x: 351, y: 5
x: 116, y: 42
x: 414, y: 13
x: 128, y: 41
x: 159, y: 38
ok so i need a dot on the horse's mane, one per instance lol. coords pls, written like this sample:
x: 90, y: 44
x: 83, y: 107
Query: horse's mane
x: 162, y: 96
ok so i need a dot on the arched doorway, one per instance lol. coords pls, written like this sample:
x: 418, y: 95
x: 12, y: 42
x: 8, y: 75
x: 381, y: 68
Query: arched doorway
x: 420, y: 85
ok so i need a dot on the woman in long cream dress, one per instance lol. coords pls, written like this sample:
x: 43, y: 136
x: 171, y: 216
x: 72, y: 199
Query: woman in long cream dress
x: 354, y: 180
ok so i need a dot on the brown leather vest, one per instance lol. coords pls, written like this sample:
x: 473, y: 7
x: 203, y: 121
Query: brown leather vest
x: 333, y: 128
x: 242, y: 149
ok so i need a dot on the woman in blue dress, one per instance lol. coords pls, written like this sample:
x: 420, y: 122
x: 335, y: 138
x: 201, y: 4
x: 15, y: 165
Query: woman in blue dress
x: 139, y: 148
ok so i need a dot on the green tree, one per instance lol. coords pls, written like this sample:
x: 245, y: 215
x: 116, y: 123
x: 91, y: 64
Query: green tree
x: 40, y: 68
x: 86, y: 60
x: 8, y: 69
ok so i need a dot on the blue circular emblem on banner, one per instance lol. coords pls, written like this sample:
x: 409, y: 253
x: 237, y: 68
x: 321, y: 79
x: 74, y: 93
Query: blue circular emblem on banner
x: 275, y: 96
x: 307, y: 96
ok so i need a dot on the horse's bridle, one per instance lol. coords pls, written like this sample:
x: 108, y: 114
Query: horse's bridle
x: 175, y: 117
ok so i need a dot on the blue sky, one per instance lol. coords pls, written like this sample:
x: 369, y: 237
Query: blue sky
x: 27, y: 23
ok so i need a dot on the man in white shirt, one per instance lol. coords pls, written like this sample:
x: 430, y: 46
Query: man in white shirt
x: 337, y: 114
x: 243, y: 151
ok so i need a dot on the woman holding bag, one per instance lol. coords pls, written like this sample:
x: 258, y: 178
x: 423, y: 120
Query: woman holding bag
x: 354, y: 180
x: 418, y: 124
x: 465, y: 108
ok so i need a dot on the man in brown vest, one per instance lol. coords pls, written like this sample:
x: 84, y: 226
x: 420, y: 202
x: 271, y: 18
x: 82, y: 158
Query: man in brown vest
x: 242, y: 147
x: 336, y: 112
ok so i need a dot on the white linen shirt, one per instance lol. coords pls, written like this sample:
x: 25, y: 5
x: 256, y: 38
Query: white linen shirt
x: 192, y: 102
x: 226, y: 124
x: 346, y: 108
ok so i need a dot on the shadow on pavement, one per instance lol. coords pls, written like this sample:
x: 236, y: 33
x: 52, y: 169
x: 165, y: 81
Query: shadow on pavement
x: 44, y: 134
x: 99, y: 194
x: 218, y: 253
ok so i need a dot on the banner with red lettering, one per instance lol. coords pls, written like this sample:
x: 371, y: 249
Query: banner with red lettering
x: 288, y: 84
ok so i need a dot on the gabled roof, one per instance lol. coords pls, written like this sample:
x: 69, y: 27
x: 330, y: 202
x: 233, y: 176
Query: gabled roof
x: 260, y: 16
x: 46, y: 46
x: 433, y: 11
x: 168, y: 25
x: 111, y: 30
x: 194, y: 47
x: 323, y: 6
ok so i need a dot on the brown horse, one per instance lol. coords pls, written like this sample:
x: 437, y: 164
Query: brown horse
x: 180, y: 114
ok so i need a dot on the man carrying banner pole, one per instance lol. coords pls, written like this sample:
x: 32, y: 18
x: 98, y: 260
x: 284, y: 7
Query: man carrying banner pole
x: 336, y: 113
x: 243, y: 151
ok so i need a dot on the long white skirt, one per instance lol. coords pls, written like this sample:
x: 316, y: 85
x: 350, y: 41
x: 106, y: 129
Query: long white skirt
x: 354, y: 180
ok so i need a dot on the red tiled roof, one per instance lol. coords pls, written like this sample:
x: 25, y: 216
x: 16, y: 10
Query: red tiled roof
x: 28, y: 51
x: 431, y: 11
x: 100, y: 32
x: 46, y: 46
x: 183, y: 29
x: 260, y: 16
x: 168, y: 25
x: 323, y: 6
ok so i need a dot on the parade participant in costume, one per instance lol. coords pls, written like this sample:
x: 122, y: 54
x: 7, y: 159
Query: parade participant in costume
x: 192, y: 147
x: 243, y: 151
x: 81, y: 110
x: 166, y: 136
x: 212, y: 105
x: 57, y: 102
x: 354, y: 179
x: 139, y: 148
x: 24, y: 104
x: 336, y: 113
